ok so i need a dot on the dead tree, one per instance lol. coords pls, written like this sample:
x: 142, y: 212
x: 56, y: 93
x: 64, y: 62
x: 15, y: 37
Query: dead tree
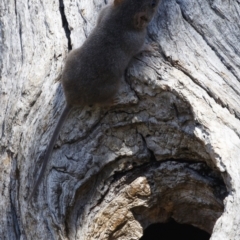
x: 168, y: 150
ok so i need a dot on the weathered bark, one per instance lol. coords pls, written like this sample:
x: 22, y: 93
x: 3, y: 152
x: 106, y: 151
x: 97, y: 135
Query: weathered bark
x: 169, y: 149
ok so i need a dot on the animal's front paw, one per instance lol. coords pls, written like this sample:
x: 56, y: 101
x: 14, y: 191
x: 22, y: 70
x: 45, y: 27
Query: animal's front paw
x: 152, y: 48
x: 116, y: 100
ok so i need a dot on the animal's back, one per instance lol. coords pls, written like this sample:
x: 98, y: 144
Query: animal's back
x: 93, y: 71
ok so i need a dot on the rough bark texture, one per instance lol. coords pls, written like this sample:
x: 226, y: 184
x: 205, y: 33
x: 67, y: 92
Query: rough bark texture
x: 169, y: 149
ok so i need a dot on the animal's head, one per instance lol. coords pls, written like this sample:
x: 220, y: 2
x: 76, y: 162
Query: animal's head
x: 143, y: 10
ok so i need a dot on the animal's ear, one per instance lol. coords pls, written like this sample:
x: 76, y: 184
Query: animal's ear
x: 140, y: 20
x: 118, y: 2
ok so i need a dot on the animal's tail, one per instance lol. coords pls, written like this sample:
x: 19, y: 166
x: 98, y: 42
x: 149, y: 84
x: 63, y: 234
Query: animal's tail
x: 48, y: 153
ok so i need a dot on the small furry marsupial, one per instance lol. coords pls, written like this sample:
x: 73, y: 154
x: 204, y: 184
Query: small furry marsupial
x: 93, y: 72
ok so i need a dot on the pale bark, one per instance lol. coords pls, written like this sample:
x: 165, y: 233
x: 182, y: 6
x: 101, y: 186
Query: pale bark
x: 169, y: 149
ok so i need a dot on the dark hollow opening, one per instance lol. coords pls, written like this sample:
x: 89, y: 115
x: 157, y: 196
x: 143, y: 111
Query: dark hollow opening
x: 172, y: 231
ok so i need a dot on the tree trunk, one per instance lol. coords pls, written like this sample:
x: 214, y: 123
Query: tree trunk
x: 169, y: 149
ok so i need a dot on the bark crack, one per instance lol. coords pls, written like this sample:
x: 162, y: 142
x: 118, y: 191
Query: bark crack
x: 16, y: 229
x: 18, y: 21
x: 20, y: 38
x: 65, y: 24
x: 14, y: 189
x: 15, y: 5
x: 152, y: 155
x: 218, y: 11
